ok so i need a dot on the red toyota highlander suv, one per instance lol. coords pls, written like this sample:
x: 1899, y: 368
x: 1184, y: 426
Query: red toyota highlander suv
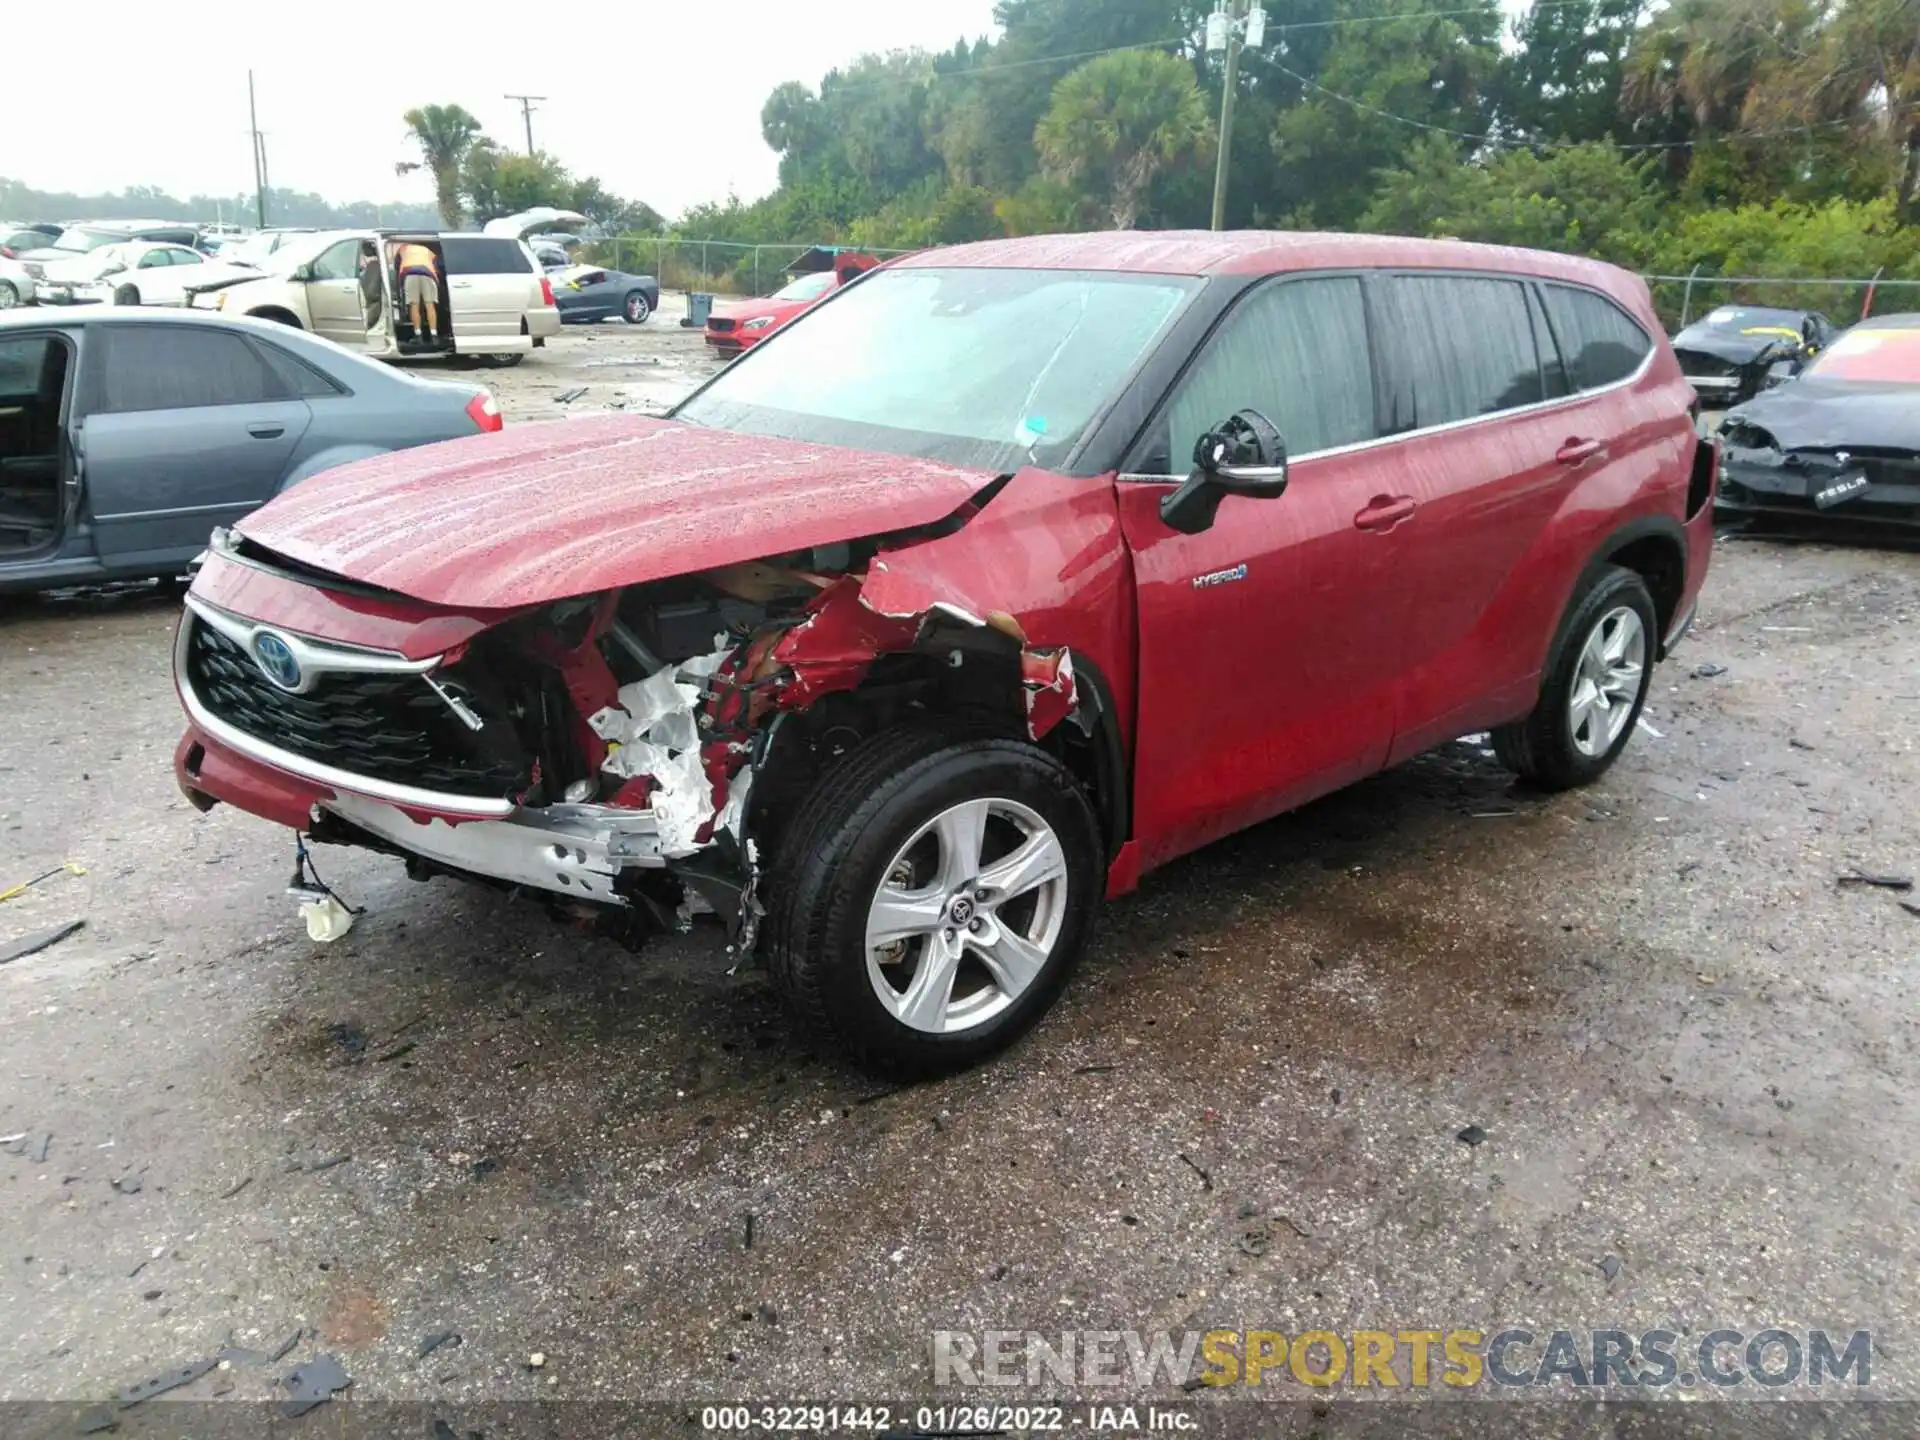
x: 897, y: 657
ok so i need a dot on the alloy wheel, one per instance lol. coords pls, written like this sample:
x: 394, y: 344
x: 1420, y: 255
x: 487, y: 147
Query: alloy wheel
x: 967, y: 916
x: 1607, y: 681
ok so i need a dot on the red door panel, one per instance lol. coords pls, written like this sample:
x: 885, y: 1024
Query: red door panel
x: 1267, y: 653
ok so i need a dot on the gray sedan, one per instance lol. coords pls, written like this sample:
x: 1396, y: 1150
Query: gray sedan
x: 128, y: 436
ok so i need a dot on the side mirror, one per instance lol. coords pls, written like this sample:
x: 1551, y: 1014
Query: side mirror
x: 1781, y: 371
x: 302, y: 273
x: 1243, y: 456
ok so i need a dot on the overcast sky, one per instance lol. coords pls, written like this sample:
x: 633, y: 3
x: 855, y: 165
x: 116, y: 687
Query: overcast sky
x: 660, y: 100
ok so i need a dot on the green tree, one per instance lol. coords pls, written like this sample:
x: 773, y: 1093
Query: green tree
x: 1588, y: 199
x: 1118, y: 122
x: 1400, y: 69
x: 444, y: 133
x: 1562, y: 78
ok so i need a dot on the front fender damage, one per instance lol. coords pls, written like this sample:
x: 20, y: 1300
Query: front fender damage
x: 690, y: 741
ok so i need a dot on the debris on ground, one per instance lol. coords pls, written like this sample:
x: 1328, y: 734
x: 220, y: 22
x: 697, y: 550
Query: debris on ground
x: 436, y: 1340
x: 1206, y: 1180
x: 66, y: 867
x: 99, y: 1418
x: 1901, y: 883
x: 326, y: 918
x: 349, y: 1037
x: 1472, y: 1135
x: 569, y: 395
x: 235, y: 1189
x: 314, y: 1383
x: 1797, y: 743
x: 1611, y: 1266
x: 1910, y: 907
x: 328, y: 1163
x: 241, y: 1355
x: 160, y: 1384
x: 129, y: 1184
x: 536, y: 1361
x: 285, y: 1347
x: 33, y: 944
x: 1708, y: 671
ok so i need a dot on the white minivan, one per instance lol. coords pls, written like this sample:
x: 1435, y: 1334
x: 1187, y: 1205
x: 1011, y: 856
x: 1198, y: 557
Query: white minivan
x: 497, y: 302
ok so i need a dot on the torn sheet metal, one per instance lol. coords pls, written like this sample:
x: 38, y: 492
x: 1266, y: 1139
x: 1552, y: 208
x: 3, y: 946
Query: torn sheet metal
x: 1046, y: 682
x: 651, y: 731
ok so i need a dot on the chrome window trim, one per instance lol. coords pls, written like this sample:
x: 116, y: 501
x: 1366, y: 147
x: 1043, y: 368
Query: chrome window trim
x: 299, y: 766
x: 1538, y: 406
x: 316, y: 656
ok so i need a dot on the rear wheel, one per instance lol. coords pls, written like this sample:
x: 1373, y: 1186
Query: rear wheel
x: 637, y: 309
x: 1594, y: 688
x: 933, y: 898
x: 126, y: 295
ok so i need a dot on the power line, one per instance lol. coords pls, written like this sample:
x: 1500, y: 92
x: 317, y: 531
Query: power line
x: 1518, y: 143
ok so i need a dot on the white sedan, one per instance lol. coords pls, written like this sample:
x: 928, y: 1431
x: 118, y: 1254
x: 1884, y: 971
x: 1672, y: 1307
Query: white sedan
x: 16, y: 284
x: 139, y: 272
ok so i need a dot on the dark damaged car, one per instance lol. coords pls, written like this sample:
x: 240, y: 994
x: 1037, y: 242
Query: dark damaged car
x: 1842, y: 441
x: 897, y: 659
x: 1730, y: 354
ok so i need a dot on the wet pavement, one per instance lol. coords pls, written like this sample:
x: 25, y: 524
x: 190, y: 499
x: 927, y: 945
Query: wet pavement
x: 1689, y: 1052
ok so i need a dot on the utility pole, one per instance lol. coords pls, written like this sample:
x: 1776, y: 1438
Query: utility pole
x: 259, y: 157
x: 526, y: 114
x: 1235, y: 11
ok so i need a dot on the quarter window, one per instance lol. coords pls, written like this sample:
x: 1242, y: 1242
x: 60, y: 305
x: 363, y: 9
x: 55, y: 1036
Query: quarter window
x: 1297, y: 352
x: 176, y: 367
x: 1468, y: 346
x: 1601, y: 343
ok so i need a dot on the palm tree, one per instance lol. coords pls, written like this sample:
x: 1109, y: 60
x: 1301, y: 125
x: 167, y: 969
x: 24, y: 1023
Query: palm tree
x: 444, y: 134
x: 1118, y: 122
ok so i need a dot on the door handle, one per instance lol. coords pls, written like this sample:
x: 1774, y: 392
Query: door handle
x: 1383, y: 512
x: 266, y: 430
x: 1577, y: 451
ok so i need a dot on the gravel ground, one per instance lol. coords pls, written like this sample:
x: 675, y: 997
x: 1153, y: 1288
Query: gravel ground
x: 1689, y: 1051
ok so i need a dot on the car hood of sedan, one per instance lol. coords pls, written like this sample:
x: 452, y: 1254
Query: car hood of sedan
x: 542, y: 512
x: 1811, y: 413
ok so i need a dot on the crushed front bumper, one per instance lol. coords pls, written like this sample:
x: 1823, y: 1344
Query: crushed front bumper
x: 1835, y: 486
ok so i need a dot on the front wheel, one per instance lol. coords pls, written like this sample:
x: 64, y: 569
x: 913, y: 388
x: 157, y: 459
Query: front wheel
x: 637, y: 309
x: 932, y: 899
x: 1594, y: 688
x: 9, y: 297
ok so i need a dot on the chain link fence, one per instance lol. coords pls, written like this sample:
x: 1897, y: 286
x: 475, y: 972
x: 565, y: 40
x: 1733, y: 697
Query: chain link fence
x: 723, y: 267
x: 1681, y: 299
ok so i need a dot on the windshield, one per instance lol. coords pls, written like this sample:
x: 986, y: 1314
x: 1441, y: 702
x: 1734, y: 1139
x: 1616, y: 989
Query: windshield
x: 807, y: 287
x: 974, y: 367
x: 1888, y: 355
x: 79, y: 237
x: 256, y: 249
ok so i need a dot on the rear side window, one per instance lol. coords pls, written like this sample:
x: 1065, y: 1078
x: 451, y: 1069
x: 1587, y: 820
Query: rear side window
x: 1297, y: 352
x: 1601, y: 343
x: 23, y: 363
x: 484, y: 255
x: 296, y: 375
x: 1468, y: 346
x: 176, y: 367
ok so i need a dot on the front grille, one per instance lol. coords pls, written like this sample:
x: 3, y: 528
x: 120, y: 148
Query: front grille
x: 1693, y: 362
x: 382, y: 727
x: 716, y: 323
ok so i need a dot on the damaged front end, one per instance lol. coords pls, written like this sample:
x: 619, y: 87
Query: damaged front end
x: 1760, y: 475
x: 632, y: 756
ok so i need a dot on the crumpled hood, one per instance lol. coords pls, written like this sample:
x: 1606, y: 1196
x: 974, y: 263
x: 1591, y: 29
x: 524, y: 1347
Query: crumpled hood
x: 1731, y: 345
x: 541, y: 512
x: 1815, y: 414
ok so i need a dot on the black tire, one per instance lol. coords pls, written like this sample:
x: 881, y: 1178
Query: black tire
x: 126, y: 295
x: 505, y: 361
x: 1542, y: 748
x: 636, y: 308
x: 9, y: 296
x: 837, y: 853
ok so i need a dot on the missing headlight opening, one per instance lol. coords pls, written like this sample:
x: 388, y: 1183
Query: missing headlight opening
x: 652, y: 744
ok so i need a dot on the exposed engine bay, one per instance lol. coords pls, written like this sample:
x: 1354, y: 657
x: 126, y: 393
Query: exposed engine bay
x: 634, y: 755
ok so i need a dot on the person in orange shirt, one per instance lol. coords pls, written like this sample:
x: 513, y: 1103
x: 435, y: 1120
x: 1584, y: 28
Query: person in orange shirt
x: 420, y: 289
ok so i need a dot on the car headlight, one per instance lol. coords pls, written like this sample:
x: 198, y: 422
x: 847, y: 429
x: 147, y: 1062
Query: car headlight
x: 762, y: 323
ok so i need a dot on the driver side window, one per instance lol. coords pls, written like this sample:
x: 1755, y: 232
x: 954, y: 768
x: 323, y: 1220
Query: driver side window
x: 1297, y: 352
x: 338, y: 262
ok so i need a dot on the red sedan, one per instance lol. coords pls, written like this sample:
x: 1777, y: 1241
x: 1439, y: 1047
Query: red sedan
x: 896, y: 659
x: 742, y: 324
